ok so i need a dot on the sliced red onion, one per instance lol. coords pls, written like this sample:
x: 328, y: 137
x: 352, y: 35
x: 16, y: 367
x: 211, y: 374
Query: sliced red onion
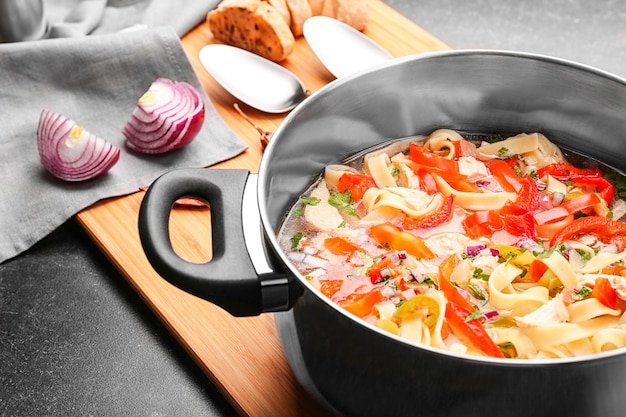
x: 474, y: 250
x: 491, y: 314
x: 71, y: 153
x: 168, y: 116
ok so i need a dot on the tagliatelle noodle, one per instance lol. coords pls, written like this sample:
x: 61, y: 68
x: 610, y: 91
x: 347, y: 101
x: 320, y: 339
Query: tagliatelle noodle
x: 545, y: 154
x: 475, y: 201
x: 524, y: 347
x: 501, y: 279
x: 609, y: 338
x: 602, y: 260
x: 413, y: 203
x: 515, y: 145
x: 442, y: 139
x: 562, y: 269
x: 549, y: 335
x: 589, y: 308
x: 377, y: 167
x: 437, y: 339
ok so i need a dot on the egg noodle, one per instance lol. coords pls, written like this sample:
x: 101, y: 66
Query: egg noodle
x: 487, y: 245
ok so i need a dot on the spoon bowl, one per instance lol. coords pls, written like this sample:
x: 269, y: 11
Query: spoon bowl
x: 253, y: 79
x: 341, y: 48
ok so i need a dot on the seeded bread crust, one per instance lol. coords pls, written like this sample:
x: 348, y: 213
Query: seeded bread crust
x: 252, y: 25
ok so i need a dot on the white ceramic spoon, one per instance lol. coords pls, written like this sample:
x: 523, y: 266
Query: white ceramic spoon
x: 341, y: 48
x: 256, y: 81
x: 268, y: 87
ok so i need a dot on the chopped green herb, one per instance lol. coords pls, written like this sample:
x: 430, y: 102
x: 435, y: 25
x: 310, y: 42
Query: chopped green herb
x: 295, y: 240
x: 584, y: 255
x: 503, y: 151
x: 395, y: 171
x: 311, y: 201
x: 305, y: 200
x: 581, y: 294
x: 342, y: 224
x: 343, y: 201
x: 477, y: 292
x: 533, y: 174
x: 479, y: 274
x: 429, y: 281
x: 476, y: 314
x: 518, y: 171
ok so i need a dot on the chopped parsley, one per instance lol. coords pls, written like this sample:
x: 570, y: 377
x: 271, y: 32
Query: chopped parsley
x: 305, y: 200
x: 295, y: 240
x: 477, y: 292
x: 476, y: 314
x: 343, y: 201
x: 479, y: 274
x: 581, y: 294
x: 503, y: 151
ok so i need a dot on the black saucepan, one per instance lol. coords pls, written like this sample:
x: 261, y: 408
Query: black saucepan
x: 351, y: 366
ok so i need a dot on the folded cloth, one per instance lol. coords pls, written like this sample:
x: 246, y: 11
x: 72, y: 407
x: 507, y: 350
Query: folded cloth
x: 84, y: 17
x: 95, y: 81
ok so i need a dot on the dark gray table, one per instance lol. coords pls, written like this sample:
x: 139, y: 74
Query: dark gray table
x: 76, y: 340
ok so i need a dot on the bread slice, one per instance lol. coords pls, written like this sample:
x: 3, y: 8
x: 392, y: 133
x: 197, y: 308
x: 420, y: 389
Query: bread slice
x: 281, y: 7
x: 353, y: 12
x: 328, y: 9
x: 300, y: 11
x: 317, y: 6
x: 252, y: 25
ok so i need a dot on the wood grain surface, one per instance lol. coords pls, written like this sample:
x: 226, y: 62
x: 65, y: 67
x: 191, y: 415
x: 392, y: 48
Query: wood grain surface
x: 242, y: 356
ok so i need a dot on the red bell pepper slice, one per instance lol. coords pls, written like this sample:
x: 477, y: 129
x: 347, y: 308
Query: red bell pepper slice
x: 604, y: 292
x: 340, y: 246
x: 436, y: 218
x: 607, y: 230
x: 522, y: 225
x: 604, y: 186
x: 362, y: 304
x: 482, y: 223
x: 505, y: 175
x: 427, y: 182
x: 472, y: 331
x: 357, y: 184
x: 398, y: 239
x: 593, y: 176
x: 562, y: 171
x: 447, y: 168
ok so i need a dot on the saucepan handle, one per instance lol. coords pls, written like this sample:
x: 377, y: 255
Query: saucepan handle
x: 229, y: 279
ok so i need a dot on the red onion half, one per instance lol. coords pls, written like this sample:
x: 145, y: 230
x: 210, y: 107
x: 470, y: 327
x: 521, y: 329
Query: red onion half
x: 168, y: 116
x: 71, y: 153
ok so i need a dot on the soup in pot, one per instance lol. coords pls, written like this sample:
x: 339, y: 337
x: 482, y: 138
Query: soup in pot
x: 493, y: 245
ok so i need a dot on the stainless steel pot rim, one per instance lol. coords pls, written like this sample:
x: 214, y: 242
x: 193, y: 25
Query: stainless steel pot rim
x: 270, y: 233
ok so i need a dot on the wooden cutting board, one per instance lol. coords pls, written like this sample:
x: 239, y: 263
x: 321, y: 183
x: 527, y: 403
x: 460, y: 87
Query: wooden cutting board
x: 242, y: 356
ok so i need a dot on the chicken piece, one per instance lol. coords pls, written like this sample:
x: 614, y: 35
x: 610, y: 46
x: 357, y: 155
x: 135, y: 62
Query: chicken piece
x: 322, y: 216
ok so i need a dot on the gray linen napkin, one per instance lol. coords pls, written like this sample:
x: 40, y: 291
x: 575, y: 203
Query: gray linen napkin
x: 85, y: 17
x: 95, y: 81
